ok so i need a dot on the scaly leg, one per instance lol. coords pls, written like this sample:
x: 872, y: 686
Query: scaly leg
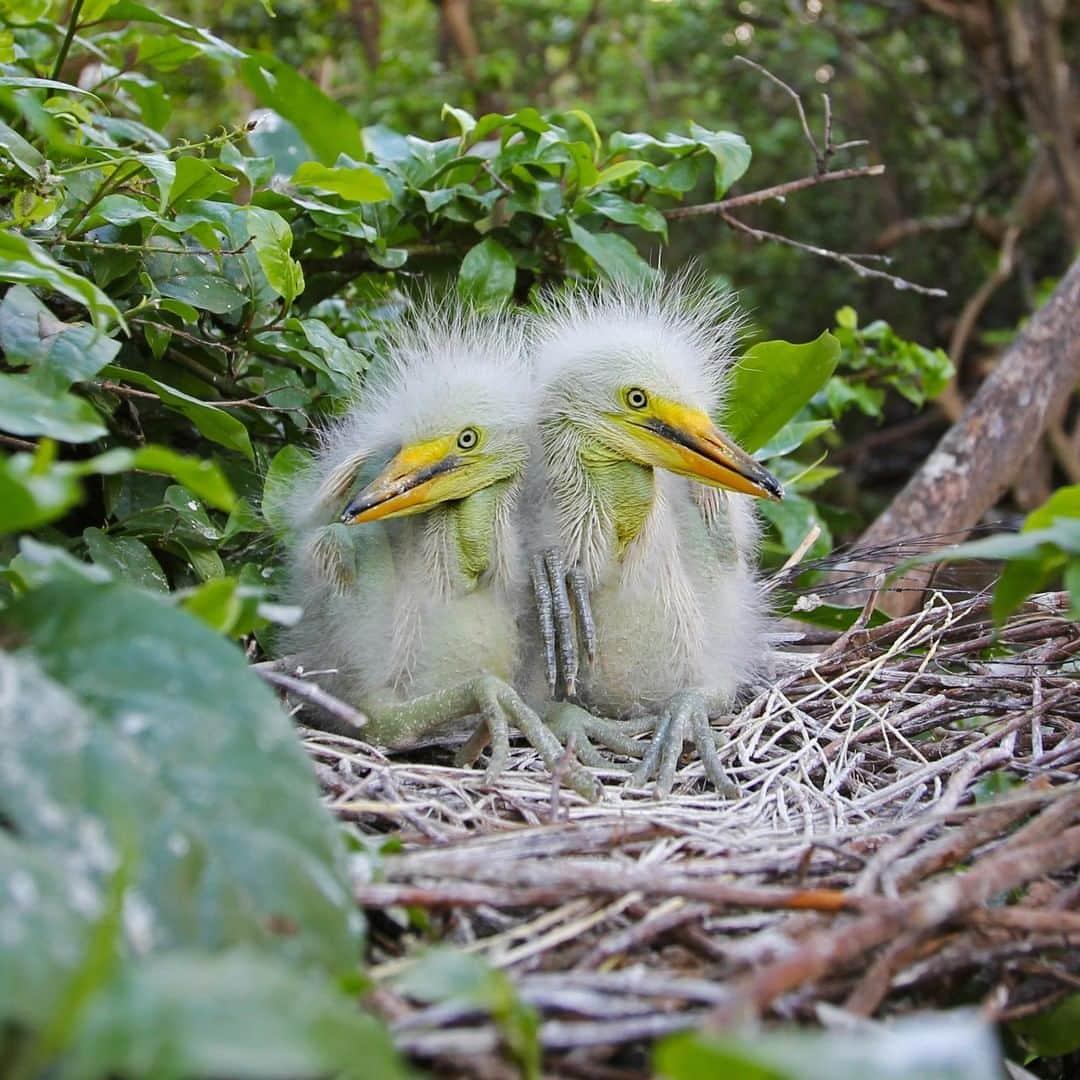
x: 399, y: 725
x: 562, y: 621
x: 687, y: 713
x: 565, y: 719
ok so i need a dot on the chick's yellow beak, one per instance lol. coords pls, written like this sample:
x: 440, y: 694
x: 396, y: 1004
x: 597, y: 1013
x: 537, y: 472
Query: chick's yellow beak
x: 419, y: 477
x: 686, y: 441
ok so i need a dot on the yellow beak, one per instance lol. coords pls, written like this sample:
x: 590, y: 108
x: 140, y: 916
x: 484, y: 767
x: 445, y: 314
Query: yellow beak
x: 415, y: 480
x: 687, y: 442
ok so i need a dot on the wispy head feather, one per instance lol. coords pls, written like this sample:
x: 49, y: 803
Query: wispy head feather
x: 681, y: 329
x: 445, y: 366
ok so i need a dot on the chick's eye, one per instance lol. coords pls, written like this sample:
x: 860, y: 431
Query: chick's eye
x: 636, y: 398
x: 468, y: 438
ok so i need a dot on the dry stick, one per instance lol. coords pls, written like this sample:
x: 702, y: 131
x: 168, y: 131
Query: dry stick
x: 777, y: 191
x: 849, y: 261
x: 978, y: 457
x: 315, y: 694
x: 934, y: 905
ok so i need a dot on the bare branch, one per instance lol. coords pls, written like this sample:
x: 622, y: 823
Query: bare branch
x: 777, y: 191
x: 849, y: 261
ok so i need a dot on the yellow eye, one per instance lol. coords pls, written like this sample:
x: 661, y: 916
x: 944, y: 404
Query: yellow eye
x: 636, y: 398
x: 468, y: 438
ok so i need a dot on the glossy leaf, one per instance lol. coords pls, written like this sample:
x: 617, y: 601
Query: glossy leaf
x: 487, y: 274
x: 771, y: 383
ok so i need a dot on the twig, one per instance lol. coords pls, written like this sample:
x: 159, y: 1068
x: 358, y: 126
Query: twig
x: 836, y: 256
x: 777, y: 191
x: 314, y: 694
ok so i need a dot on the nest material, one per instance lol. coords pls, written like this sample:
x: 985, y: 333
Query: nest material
x: 908, y: 824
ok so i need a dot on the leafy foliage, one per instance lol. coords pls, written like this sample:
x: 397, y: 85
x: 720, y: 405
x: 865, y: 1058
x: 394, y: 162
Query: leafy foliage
x: 1046, y: 547
x: 947, y: 1046
x: 147, y: 876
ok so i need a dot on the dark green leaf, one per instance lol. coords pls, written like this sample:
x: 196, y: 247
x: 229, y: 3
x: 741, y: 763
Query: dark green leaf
x: 216, y: 424
x: 614, y: 255
x: 487, y: 274
x: 23, y: 261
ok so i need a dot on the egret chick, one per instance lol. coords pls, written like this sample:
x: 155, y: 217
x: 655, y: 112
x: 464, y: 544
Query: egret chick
x: 405, y: 554
x: 649, y: 500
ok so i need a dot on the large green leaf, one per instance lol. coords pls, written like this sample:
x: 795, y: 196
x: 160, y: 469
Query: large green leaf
x: 58, y: 353
x: 27, y: 410
x: 355, y: 183
x: 328, y: 127
x: 217, y: 805
x: 22, y: 261
x: 616, y: 257
x: 772, y: 382
x: 216, y: 424
x: 487, y: 274
x: 237, y: 1014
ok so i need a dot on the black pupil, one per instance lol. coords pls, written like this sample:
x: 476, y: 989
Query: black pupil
x: 637, y: 398
x: 467, y: 438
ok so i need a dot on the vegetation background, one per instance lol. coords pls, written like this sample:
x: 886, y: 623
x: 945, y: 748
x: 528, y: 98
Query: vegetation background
x: 207, y: 213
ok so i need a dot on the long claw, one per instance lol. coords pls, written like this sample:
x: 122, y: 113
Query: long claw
x: 673, y: 741
x: 579, y: 589
x: 564, y: 619
x: 542, y: 589
x: 575, y: 776
x: 651, y: 760
x: 705, y: 740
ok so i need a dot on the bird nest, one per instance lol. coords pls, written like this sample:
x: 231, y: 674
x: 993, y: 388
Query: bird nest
x: 908, y: 818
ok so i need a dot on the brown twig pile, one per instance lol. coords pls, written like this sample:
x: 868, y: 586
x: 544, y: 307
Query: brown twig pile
x: 874, y: 860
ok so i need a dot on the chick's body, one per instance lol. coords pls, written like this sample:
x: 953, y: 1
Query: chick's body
x: 630, y: 379
x: 405, y: 552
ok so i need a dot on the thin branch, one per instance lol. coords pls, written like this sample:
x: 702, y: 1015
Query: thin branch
x: 777, y: 191
x: 836, y: 256
x: 316, y: 695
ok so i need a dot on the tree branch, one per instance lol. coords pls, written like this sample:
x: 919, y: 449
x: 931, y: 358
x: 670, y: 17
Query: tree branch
x: 777, y: 191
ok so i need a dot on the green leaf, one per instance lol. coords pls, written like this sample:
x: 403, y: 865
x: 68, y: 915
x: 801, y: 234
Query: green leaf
x: 616, y: 208
x: 238, y: 1014
x: 487, y: 274
x: 772, y: 382
x: 793, y: 519
x: 32, y: 496
x: 27, y: 410
x: 217, y: 603
x: 328, y: 127
x: 126, y: 559
x: 1063, y: 503
x: 58, y: 353
x: 216, y: 424
x: 730, y: 151
x: 272, y: 239
x: 621, y: 170
x: 196, y: 178
x: 791, y: 437
x: 356, y: 183
x: 1053, y: 1033
x: 152, y: 695
x: 23, y: 261
x: 614, y: 255
x: 22, y: 153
